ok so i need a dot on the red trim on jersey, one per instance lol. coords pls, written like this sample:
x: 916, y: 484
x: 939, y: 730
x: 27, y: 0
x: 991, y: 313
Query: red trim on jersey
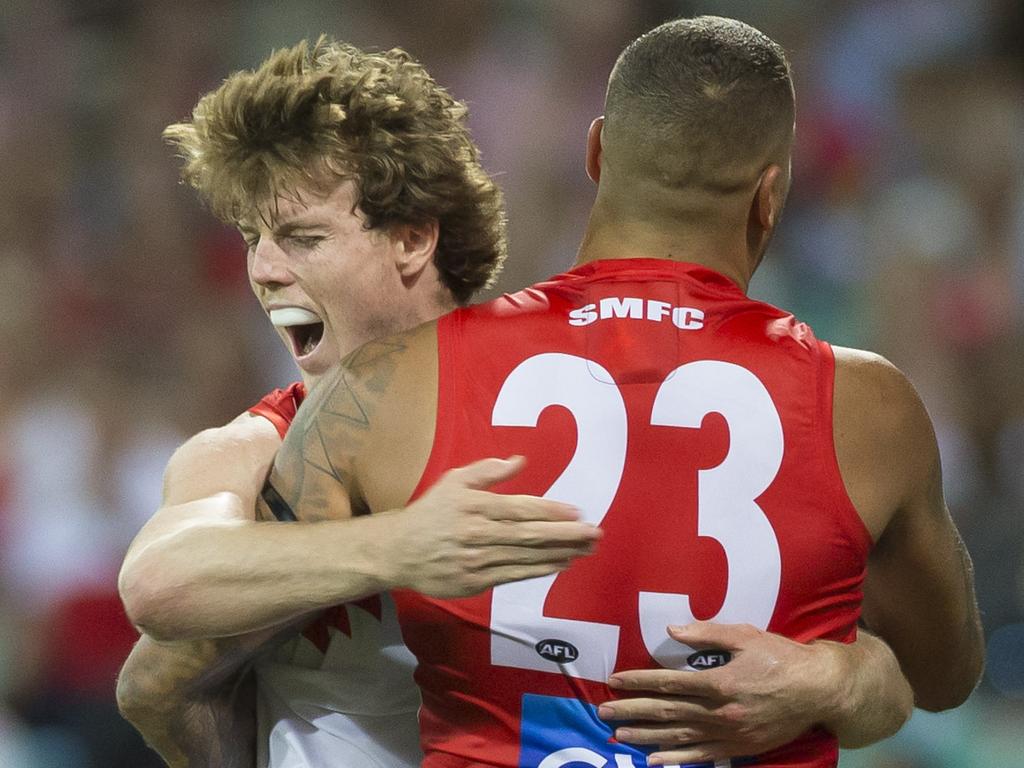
x: 280, y: 406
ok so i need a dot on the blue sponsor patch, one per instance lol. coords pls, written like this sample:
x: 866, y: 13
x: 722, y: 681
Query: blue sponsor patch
x: 567, y: 733
x: 556, y: 730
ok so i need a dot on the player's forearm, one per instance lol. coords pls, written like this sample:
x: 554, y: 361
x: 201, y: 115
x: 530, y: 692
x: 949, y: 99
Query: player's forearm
x: 191, y: 702
x: 230, y: 578
x: 870, y: 699
x: 943, y: 668
x: 925, y: 610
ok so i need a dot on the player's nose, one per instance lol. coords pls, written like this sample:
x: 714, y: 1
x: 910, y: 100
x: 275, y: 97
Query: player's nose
x: 268, y: 264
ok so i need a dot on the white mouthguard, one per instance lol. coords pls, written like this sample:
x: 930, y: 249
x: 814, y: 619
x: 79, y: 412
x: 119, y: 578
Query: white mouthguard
x: 282, y: 318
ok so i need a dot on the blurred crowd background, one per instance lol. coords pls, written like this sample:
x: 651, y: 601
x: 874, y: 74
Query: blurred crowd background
x: 126, y: 323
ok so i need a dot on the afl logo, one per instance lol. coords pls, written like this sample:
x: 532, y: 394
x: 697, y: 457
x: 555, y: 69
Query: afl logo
x: 708, y: 659
x: 557, y: 651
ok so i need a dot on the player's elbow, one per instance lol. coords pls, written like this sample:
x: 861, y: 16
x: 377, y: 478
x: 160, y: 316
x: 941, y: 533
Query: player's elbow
x: 148, y: 600
x: 946, y: 690
x: 950, y: 691
x: 942, y: 700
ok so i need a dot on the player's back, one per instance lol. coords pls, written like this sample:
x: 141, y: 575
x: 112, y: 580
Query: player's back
x: 695, y: 426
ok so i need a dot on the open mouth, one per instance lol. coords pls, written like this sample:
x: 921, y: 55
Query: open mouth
x: 304, y: 328
x: 306, y: 338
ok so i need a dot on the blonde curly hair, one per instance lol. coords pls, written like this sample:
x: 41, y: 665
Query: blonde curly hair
x: 310, y: 116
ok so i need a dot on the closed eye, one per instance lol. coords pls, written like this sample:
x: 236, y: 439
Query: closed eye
x: 305, y: 241
x: 251, y: 239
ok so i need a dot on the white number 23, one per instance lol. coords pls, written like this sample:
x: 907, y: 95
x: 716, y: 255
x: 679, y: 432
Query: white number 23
x: 726, y: 506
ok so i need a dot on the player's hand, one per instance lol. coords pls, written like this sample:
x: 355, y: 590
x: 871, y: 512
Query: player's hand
x: 458, y: 539
x: 770, y: 692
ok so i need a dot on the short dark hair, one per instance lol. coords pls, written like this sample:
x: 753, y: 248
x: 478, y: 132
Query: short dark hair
x: 311, y: 116
x: 700, y: 98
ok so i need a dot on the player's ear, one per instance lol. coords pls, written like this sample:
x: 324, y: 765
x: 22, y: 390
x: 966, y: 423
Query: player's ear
x: 768, y: 198
x: 765, y: 209
x: 416, y: 244
x: 594, y: 149
x: 772, y: 188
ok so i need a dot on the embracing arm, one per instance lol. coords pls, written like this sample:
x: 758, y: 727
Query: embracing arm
x: 196, y: 575
x: 204, y: 566
x: 772, y: 691
x: 191, y: 702
x: 194, y: 702
x: 871, y: 699
x: 919, y: 591
x: 940, y: 643
x: 456, y: 540
x: 192, y: 572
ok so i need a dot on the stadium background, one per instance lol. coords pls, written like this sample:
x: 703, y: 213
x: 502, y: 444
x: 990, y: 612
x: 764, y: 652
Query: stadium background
x: 126, y: 323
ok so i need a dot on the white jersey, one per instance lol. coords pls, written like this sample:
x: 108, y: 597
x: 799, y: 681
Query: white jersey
x: 341, y: 695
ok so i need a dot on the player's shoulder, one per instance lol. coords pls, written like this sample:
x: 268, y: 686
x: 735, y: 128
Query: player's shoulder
x: 385, y: 368
x: 884, y: 440
x: 378, y: 383
x: 869, y: 376
x: 387, y: 352
x: 875, y: 397
x: 247, y: 433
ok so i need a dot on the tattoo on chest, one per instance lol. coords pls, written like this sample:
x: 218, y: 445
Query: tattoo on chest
x: 329, y: 426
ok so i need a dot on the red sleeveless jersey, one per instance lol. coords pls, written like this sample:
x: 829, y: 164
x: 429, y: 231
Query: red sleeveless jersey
x: 694, y: 425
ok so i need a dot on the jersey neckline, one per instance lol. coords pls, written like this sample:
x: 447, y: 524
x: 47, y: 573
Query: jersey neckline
x: 652, y: 267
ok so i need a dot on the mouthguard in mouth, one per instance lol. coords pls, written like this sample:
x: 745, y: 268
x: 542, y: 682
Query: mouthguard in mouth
x: 304, y: 328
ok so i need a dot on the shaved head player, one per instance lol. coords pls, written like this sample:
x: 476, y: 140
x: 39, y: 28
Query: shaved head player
x: 365, y: 211
x: 740, y: 469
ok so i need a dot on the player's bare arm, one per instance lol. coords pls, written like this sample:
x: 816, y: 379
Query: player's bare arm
x: 185, y: 576
x: 772, y: 691
x: 190, y: 700
x: 470, y: 540
x: 919, y: 591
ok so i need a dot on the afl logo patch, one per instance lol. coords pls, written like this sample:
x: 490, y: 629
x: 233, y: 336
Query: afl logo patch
x: 557, y: 651
x: 708, y: 659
